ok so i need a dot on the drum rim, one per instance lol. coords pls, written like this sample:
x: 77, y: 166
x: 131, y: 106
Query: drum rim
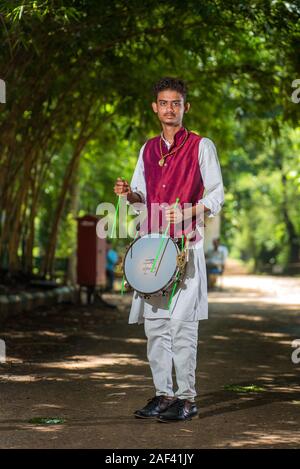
x: 167, y: 285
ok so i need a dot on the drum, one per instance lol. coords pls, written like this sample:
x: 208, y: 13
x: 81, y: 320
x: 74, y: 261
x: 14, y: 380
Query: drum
x: 138, y: 262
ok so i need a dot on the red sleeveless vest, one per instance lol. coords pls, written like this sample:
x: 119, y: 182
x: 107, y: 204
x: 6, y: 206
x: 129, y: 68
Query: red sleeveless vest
x: 180, y: 177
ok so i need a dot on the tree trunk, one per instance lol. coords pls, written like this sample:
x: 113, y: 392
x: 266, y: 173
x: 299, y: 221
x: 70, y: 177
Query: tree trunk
x: 293, y: 238
x: 48, y: 264
x: 74, y: 207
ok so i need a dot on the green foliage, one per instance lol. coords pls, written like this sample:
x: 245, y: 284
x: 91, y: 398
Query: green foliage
x: 79, y: 77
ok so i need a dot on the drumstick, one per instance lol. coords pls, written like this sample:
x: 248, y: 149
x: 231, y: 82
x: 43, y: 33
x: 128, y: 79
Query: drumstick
x: 113, y: 232
x: 162, y: 240
x: 162, y: 255
x: 115, y: 219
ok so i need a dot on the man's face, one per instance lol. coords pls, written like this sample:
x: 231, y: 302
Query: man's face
x: 170, y: 107
x: 216, y: 243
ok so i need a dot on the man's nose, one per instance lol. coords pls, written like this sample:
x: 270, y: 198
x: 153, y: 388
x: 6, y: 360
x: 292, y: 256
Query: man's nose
x: 170, y: 107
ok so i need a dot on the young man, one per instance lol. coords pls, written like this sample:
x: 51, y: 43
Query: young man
x: 176, y: 163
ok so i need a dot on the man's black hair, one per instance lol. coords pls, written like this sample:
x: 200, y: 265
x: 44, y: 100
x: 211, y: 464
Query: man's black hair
x: 169, y: 83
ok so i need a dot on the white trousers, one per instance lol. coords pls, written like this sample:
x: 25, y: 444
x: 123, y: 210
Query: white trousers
x: 172, y: 342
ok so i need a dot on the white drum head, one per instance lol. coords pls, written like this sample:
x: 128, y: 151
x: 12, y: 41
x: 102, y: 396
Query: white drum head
x: 140, y: 257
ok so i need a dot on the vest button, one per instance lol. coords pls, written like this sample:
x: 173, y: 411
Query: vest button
x: 164, y: 185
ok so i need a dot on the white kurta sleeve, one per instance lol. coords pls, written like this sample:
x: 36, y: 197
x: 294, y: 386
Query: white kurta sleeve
x: 213, y: 197
x: 138, y: 183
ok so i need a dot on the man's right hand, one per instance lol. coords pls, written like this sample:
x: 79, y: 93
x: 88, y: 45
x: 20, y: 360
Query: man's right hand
x: 122, y: 187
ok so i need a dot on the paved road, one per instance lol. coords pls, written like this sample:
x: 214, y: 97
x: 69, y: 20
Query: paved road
x: 87, y: 366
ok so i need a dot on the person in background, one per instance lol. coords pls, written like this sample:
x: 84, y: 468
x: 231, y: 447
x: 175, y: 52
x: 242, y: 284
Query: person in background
x: 216, y: 257
x: 111, y: 260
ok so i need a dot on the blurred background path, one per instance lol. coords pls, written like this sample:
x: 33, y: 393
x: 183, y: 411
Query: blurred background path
x: 88, y: 367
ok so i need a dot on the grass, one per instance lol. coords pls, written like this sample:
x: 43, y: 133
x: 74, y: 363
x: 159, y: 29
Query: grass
x: 244, y: 389
x: 46, y: 421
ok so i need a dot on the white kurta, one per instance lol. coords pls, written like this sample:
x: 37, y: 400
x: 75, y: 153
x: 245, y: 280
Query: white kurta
x: 190, y: 302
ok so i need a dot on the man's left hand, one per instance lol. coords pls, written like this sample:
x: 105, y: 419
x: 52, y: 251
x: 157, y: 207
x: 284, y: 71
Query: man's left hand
x: 174, y: 214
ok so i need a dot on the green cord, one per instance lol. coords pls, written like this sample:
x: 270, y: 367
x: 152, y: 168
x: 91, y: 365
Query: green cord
x: 173, y: 290
x: 122, y: 287
x: 123, y: 279
x: 175, y: 284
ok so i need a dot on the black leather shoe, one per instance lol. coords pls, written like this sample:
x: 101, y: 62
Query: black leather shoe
x: 155, y: 406
x: 181, y: 409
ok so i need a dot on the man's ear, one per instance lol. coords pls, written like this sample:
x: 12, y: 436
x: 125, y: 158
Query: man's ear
x: 154, y: 107
x: 187, y: 107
